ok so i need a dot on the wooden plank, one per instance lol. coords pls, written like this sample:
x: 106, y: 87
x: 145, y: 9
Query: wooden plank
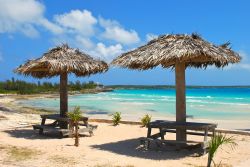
x: 174, y: 141
x: 59, y: 118
x: 180, y: 142
x: 187, y: 125
x: 67, y: 132
x: 188, y: 132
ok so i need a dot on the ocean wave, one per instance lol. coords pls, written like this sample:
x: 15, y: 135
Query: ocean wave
x: 137, y: 103
x: 195, y: 101
x: 199, y: 97
x: 238, y: 98
x: 224, y: 103
x: 115, y: 98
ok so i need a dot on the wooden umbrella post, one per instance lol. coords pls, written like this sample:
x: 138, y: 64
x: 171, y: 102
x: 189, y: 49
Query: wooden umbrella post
x: 180, y: 99
x: 63, y: 98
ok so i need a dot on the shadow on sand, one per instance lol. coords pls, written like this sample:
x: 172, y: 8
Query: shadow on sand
x: 132, y: 148
x: 31, y: 134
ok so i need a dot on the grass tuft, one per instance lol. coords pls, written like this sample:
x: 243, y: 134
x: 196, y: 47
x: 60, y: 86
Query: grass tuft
x: 21, y: 153
x: 69, y: 161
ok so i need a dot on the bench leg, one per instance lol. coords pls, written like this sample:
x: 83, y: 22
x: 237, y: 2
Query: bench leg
x: 91, y: 132
x: 43, y: 122
x: 149, y: 132
x: 146, y: 145
x: 205, y: 142
x: 162, y: 133
x: 147, y: 142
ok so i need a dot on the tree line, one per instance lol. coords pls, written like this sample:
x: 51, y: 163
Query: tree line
x: 23, y: 87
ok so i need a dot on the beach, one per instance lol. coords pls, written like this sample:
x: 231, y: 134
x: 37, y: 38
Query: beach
x: 110, y: 146
x: 141, y: 83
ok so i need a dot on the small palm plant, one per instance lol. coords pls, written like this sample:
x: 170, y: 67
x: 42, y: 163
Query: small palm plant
x: 217, y: 141
x: 116, y: 118
x: 75, y: 117
x: 145, y: 120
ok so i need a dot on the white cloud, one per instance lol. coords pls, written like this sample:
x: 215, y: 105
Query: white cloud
x: 51, y: 26
x: 84, y: 42
x: 23, y: 16
x: 114, y: 31
x: 106, y: 52
x: 29, y: 31
x: 21, y: 10
x: 244, y: 64
x: 77, y: 21
x: 77, y: 27
x: 151, y: 36
x: 108, y: 22
x: 98, y: 50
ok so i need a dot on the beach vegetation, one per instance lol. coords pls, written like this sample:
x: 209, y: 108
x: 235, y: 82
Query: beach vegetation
x: 75, y: 117
x: 20, y: 153
x: 23, y: 87
x: 145, y: 120
x: 65, y: 160
x: 116, y: 118
x: 215, y: 143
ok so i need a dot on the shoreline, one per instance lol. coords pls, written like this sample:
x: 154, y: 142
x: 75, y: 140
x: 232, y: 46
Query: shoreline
x: 13, y: 103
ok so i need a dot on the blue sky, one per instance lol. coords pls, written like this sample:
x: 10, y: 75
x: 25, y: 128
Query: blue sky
x: 105, y: 29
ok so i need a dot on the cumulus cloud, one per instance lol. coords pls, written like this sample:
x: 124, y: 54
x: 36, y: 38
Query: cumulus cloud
x: 151, y: 36
x: 55, y: 29
x: 84, y: 42
x: 106, y: 52
x: 77, y: 21
x: 79, y: 28
x: 114, y: 31
x: 23, y: 16
x: 244, y: 64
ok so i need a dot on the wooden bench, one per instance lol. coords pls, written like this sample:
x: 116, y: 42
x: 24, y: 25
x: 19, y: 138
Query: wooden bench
x: 191, y: 128
x: 55, y: 128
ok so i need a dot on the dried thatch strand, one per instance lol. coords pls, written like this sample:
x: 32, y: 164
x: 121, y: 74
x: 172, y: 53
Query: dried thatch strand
x: 62, y: 59
x: 166, y: 50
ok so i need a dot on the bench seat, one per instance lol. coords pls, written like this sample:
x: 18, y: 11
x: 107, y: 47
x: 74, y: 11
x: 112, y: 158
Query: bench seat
x: 146, y: 142
x: 63, y: 132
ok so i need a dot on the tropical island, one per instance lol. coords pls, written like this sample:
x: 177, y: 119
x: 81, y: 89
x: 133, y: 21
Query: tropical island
x: 124, y: 83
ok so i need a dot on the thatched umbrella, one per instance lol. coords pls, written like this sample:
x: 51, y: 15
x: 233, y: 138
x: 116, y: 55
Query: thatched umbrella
x: 178, y: 52
x: 62, y: 60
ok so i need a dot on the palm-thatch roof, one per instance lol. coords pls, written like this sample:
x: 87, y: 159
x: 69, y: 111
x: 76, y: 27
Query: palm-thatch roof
x: 62, y: 59
x: 166, y: 50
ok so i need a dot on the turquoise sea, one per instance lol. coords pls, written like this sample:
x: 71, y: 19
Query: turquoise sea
x: 208, y: 103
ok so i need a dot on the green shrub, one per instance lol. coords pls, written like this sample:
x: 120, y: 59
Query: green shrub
x: 217, y: 141
x: 116, y: 118
x: 145, y: 120
x: 75, y: 117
